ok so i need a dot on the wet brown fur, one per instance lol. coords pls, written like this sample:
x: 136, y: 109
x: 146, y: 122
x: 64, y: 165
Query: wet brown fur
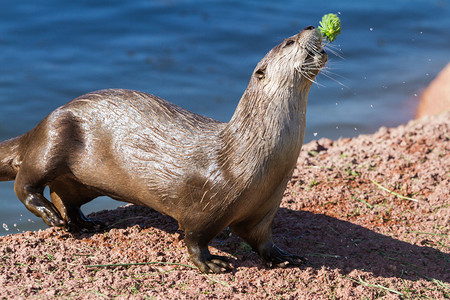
x: 141, y: 149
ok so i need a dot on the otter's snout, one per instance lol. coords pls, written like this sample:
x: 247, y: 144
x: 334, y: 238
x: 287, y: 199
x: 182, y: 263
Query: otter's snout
x: 310, y: 34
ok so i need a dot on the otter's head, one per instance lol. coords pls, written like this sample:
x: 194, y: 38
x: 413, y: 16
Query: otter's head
x: 293, y: 63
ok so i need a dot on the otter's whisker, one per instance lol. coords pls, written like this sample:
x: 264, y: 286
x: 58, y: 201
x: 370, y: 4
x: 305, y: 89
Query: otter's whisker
x: 336, y: 53
x: 335, y: 80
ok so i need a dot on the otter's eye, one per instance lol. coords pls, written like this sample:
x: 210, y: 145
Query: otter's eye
x: 288, y: 43
x: 260, y: 74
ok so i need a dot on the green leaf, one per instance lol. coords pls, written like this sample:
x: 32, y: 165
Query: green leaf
x: 330, y: 26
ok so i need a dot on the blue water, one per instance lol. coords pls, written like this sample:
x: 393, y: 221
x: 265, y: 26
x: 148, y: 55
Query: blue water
x: 200, y: 54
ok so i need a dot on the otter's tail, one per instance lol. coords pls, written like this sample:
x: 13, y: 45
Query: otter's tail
x: 9, y: 153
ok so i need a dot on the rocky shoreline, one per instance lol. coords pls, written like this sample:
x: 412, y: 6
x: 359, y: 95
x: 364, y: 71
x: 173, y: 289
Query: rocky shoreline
x: 371, y: 214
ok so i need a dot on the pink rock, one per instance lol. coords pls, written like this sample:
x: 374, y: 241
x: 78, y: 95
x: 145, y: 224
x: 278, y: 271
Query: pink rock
x: 436, y: 97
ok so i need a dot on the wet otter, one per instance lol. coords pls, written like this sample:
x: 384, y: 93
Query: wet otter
x: 208, y: 175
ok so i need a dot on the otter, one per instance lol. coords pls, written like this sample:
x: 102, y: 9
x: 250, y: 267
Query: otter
x: 141, y: 149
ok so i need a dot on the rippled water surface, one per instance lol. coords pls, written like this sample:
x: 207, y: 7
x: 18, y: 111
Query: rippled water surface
x: 200, y: 54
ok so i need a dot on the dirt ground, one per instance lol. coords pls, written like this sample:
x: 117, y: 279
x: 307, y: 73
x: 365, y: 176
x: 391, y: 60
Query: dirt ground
x: 371, y: 214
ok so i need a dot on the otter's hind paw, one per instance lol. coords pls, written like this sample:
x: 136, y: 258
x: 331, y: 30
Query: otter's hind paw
x: 280, y: 258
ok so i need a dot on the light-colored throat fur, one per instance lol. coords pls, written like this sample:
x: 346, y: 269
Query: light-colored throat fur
x: 273, y: 131
x: 265, y: 134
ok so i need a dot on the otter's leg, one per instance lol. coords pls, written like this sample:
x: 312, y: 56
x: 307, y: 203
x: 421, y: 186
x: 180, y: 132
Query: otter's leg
x: 197, y: 245
x: 259, y: 236
x: 30, y: 191
x: 68, y: 196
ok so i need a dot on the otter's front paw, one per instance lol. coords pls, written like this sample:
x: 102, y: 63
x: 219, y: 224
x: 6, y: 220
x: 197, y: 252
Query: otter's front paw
x: 78, y: 222
x: 216, y: 264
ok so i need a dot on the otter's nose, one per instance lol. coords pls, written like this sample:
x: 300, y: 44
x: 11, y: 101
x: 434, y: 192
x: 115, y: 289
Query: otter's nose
x: 310, y: 27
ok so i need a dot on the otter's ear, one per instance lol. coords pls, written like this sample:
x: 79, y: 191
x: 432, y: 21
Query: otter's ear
x: 261, y: 72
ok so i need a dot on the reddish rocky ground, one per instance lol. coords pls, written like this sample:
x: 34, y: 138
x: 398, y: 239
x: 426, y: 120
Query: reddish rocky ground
x: 339, y: 211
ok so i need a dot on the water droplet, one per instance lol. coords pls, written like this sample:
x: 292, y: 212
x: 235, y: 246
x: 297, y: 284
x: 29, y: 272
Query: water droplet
x: 336, y: 103
x: 415, y: 95
x: 356, y: 129
x: 427, y: 74
x: 371, y: 29
x: 315, y: 133
x: 421, y: 32
x: 371, y: 105
x: 337, y: 127
x: 429, y: 59
x: 15, y: 225
x: 5, y: 227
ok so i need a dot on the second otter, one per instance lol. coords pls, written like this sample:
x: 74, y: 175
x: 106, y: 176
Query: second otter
x: 208, y: 175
